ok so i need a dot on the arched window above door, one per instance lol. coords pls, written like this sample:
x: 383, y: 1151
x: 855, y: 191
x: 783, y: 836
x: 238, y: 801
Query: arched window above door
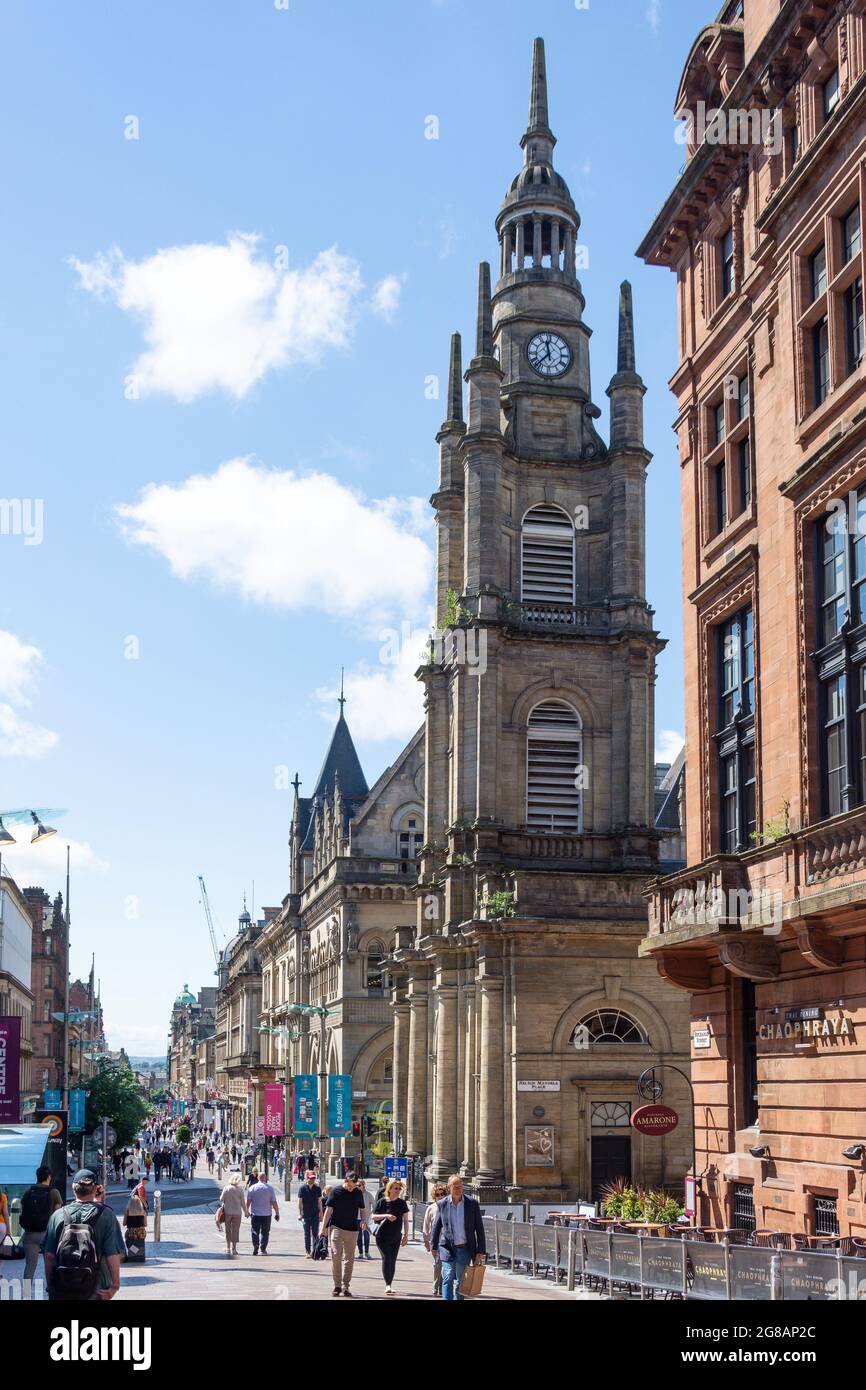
x: 607, y: 1026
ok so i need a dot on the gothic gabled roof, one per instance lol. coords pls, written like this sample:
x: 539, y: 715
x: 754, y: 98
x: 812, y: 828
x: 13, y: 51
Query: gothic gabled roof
x: 341, y: 759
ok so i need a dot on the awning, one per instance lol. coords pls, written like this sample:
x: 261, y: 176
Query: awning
x: 22, y: 1151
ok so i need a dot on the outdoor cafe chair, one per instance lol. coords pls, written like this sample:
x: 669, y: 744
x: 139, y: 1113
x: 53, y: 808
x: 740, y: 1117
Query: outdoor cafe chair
x: 799, y: 1241
x: 733, y: 1235
x: 771, y: 1240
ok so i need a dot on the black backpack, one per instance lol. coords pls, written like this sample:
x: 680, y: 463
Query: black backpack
x: 35, y: 1209
x: 76, y: 1260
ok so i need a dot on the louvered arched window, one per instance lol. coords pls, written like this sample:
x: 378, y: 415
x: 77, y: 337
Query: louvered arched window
x: 547, y: 556
x: 553, y: 761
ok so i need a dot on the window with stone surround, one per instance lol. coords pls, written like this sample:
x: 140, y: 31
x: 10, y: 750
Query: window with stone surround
x: 547, y: 556
x: 609, y: 1025
x: 828, y: 292
x: 375, y: 974
x: 553, y: 766
x: 735, y: 732
x: 728, y: 453
x: 840, y: 658
x: 726, y: 262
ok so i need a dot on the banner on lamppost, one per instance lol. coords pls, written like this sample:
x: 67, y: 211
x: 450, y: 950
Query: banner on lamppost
x: 10, y: 1070
x: 306, y: 1104
x: 51, y: 1100
x: 274, y: 1110
x: 77, y: 1101
x: 339, y: 1106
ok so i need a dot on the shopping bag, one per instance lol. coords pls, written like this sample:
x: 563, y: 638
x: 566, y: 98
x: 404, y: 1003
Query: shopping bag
x: 473, y: 1281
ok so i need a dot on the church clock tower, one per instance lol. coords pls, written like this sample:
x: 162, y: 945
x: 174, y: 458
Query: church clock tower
x: 539, y: 834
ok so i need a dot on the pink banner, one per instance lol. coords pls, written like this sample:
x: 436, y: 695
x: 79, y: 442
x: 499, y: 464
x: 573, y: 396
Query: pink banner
x: 10, y: 1070
x: 273, y: 1110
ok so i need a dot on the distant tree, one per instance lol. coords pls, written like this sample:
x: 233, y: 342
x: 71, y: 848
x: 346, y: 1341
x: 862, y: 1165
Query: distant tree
x: 181, y: 1134
x: 114, y: 1093
x: 158, y: 1097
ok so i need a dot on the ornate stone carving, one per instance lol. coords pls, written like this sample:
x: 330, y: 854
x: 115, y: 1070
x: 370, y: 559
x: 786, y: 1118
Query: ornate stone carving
x: 750, y: 957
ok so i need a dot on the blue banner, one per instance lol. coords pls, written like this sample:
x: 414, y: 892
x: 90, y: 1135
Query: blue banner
x: 50, y: 1100
x: 339, y: 1106
x: 76, y: 1110
x: 306, y: 1117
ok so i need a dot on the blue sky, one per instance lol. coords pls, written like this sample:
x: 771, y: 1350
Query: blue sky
x: 217, y: 340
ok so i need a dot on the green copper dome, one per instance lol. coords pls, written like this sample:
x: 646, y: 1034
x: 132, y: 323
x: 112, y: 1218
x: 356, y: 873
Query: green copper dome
x: 185, y: 997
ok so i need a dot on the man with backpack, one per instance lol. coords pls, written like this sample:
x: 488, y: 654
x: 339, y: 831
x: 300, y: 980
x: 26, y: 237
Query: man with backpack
x: 83, y: 1245
x: 37, y: 1205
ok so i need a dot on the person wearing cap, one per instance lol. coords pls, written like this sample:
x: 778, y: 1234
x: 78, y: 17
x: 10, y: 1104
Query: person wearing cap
x: 88, y: 1196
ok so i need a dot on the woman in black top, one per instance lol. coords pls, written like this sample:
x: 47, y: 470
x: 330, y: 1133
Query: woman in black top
x: 391, y: 1215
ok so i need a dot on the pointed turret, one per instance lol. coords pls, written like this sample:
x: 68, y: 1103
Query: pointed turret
x: 455, y: 382
x: 626, y: 389
x: 484, y: 315
x: 341, y: 758
x: 625, y: 337
x: 628, y: 461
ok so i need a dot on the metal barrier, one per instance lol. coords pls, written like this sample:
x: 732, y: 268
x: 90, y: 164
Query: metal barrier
x: 673, y: 1267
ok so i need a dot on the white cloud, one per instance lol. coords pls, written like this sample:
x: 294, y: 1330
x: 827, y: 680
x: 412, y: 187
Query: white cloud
x: 654, y: 14
x: 219, y: 317
x: 289, y: 541
x: 385, y: 701
x: 668, y: 745
x: 32, y: 863
x: 386, y: 296
x: 20, y: 739
x: 20, y: 666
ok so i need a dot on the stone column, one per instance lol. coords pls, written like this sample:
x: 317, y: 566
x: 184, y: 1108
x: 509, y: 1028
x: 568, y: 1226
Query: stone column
x: 536, y: 241
x: 491, y: 1146
x: 401, y: 1067
x: 467, y: 1166
x: 554, y: 244
x: 445, y: 1097
x: 416, y: 1104
x: 569, y: 251
x: 521, y: 243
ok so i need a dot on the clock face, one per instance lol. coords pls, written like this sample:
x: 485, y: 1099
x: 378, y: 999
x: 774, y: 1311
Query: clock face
x: 548, y: 354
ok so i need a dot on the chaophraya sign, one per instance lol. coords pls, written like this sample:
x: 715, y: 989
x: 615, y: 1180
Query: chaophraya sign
x: 654, y: 1119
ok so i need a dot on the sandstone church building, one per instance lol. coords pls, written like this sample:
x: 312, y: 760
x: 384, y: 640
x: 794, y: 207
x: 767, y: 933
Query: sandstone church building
x: 523, y: 1015
x: 472, y: 922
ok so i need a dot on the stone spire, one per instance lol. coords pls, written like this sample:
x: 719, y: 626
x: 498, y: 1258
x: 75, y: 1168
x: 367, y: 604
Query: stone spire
x: 625, y: 339
x: 455, y: 381
x: 484, y: 321
x: 538, y: 129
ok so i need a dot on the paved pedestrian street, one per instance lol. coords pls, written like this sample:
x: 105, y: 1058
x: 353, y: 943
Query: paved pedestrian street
x: 190, y: 1263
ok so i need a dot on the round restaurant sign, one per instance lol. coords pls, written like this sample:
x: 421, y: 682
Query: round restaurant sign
x: 654, y: 1119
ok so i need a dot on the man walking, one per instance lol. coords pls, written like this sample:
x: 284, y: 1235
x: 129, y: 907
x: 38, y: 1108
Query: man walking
x: 37, y: 1206
x: 262, y: 1201
x: 83, y: 1245
x: 310, y: 1210
x: 458, y: 1237
x: 342, y: 1211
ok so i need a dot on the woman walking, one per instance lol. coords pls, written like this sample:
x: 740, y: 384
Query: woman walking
x: 234, y: 1204
x: 391, y: 1215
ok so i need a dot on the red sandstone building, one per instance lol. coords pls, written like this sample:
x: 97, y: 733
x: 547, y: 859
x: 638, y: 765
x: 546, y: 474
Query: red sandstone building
x: 766, y: 928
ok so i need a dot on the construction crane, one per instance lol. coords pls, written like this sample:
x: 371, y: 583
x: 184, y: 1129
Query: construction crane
x: 209, y: 916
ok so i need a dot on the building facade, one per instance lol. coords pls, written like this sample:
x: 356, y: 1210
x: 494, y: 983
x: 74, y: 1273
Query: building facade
x: 353, y: 854
x: 523, y: 1015
x: 766, y: 928
x: 16, y: 996
x: 50, y: 964
x: 193, y: 1019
